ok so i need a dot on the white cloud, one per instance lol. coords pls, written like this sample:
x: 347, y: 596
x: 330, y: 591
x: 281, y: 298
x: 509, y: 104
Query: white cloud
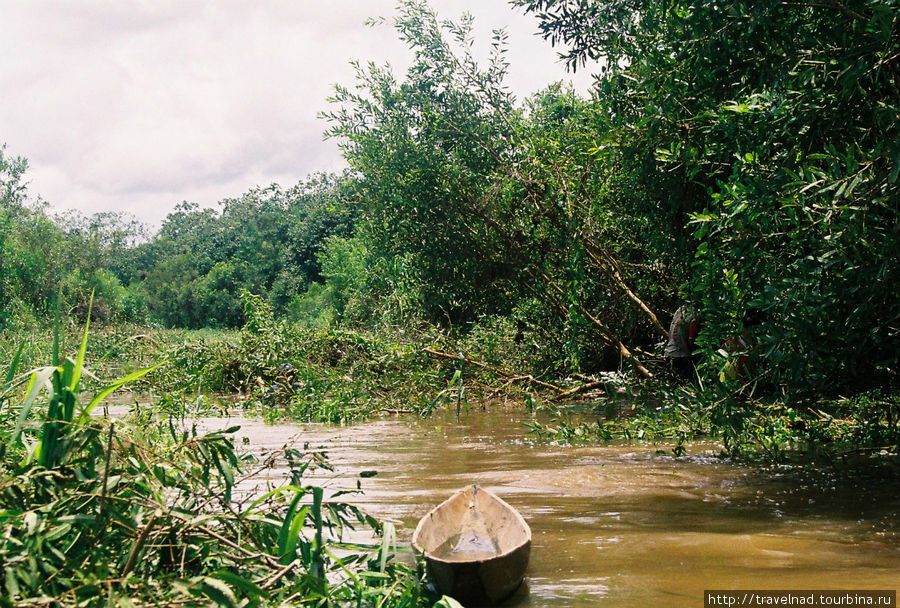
x: 137, y: 105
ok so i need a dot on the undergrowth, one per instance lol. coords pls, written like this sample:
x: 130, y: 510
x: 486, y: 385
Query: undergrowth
x: 745, y: 427
x: 278, y: 370
x: 97, y: 512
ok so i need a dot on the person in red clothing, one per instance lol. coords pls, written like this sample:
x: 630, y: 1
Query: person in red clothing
x: 739, y: 365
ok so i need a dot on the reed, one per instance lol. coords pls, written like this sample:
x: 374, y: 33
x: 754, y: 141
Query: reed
x: 116, y: 514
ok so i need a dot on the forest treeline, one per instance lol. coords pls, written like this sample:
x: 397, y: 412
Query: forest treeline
x: 732, y: 155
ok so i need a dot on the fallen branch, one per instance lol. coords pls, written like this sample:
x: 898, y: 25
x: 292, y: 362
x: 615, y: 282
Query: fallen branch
x: 137, y: 546
x: 500, y: 372
x: 579, y: 389
x: 605, y: 334
x: 610, y: 267
x: 279, y: 575
x: 395, y: 411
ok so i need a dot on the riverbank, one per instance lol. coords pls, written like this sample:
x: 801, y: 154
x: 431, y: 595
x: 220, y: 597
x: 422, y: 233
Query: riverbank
x: 144, y: 511
x: 282, y: 371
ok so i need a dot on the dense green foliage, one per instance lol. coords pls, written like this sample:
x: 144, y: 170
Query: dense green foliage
x: 731, y: 155
x: 266, y: 241
x: 100, y: 512
x: 496, y: 209
x: 42, y: 257
x: 742, y: 154
x: 189, y: 274
x: 779, y: 123
x: 734, y: 155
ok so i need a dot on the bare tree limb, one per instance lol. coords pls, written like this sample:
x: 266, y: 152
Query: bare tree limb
x: 500, y: 372
x: 603, y: 260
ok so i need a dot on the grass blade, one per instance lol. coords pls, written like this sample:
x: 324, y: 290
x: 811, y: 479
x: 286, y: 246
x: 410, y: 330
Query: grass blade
x: 250, y: 510
x: 284, y: 533
x: 40, y: 378
x: 54, y: 360
x: 13, y: 367
x: 292, y: 538
x: 388, y: 539
x: 79, y: 360
x: 86, y: 412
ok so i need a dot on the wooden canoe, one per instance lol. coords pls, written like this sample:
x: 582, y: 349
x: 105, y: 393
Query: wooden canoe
x: 475, y: 547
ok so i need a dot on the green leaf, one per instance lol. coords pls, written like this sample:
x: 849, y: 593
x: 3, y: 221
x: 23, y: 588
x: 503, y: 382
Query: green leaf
x: 896, y: 170
x: 86, y: 412
x: 40, y: 378
x: 287, y: 524
x: 216, y: 590
x: 12, y: 585
x: 79, y: 359
x: 238, y: 582
x: 56, y: 321
x: 13, y: 366
x: 31, y: 522
x: 292, y: 538
x: 272, y: 493
x: 388, y: 540
x: 448, y: 602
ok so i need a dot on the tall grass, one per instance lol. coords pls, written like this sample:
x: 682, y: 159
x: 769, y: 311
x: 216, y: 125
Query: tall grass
x: 334, y: 375
x: 96, y: 512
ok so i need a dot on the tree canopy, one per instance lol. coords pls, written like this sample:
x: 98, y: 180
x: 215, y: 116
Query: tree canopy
x: 732, y: 155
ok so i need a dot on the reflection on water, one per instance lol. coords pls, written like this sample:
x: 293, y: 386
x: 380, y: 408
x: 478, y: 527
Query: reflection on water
x: 616, y: 525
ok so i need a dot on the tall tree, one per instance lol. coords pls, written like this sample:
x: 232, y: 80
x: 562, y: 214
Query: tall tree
x: 780, y: 118
x: 501, y: 207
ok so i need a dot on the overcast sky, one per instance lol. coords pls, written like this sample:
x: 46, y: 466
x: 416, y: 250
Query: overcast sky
x: 136, y: 105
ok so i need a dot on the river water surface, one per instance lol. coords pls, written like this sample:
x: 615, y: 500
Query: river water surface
x: 616, y: 525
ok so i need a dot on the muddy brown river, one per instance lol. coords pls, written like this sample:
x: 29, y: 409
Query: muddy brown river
x: 616, y: 525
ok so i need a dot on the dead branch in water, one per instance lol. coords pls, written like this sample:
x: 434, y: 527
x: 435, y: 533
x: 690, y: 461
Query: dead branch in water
x: 578, y: 389
x: 512, y: 376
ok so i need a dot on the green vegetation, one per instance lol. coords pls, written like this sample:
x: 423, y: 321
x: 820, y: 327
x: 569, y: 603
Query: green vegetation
x: 99, y: 512
x: 284, y: 370
x: 43, y: 256
x: 732, y: 155
x: 774, y: 126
